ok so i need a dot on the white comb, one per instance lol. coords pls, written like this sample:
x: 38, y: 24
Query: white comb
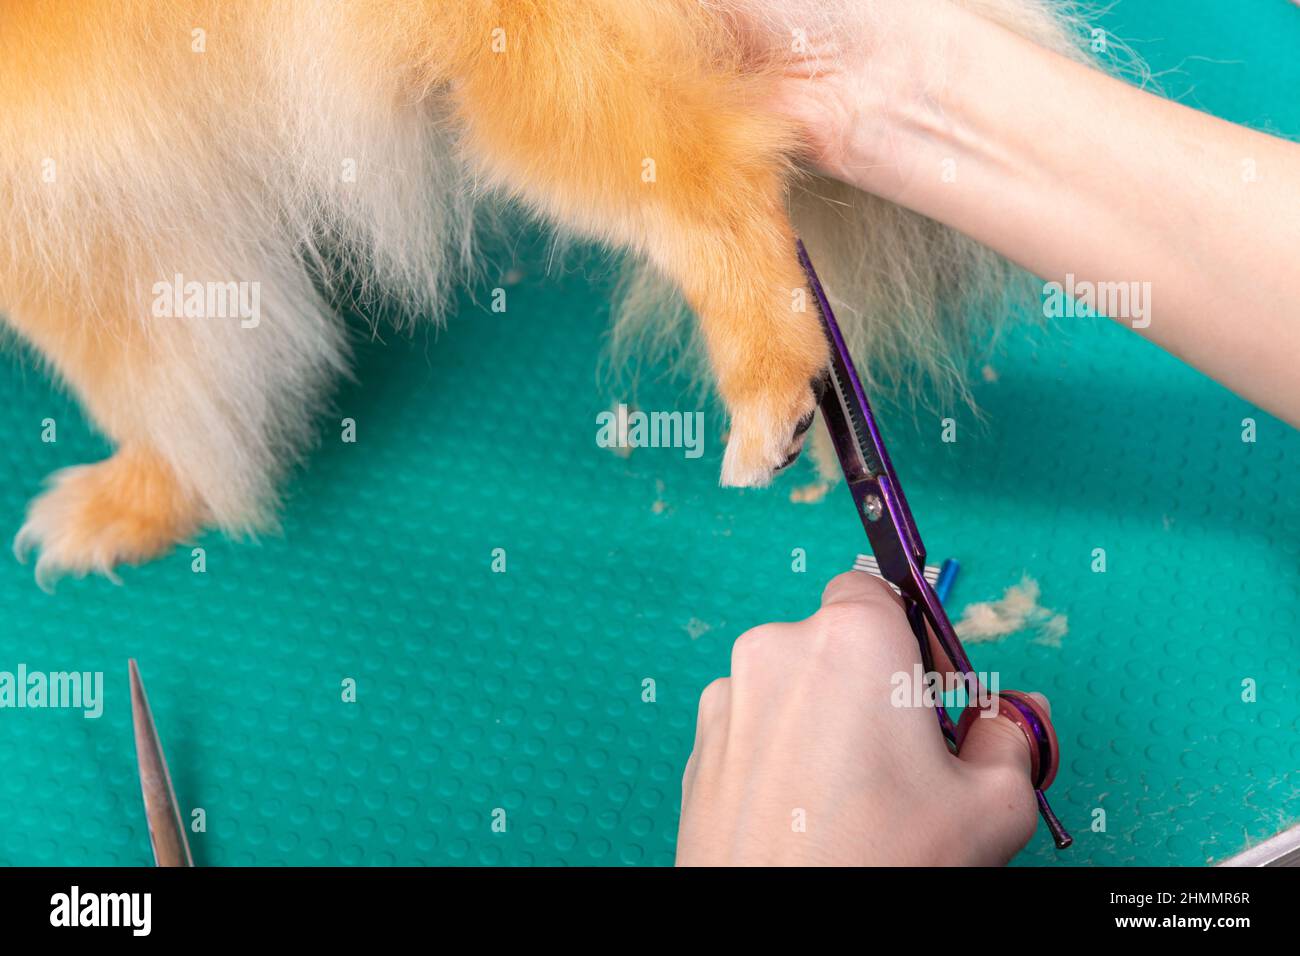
x: 867, y: 563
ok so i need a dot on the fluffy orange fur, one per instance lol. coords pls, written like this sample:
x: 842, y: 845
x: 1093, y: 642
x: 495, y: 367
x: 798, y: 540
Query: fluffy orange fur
x: 638, y: 124
x: 143, y: 139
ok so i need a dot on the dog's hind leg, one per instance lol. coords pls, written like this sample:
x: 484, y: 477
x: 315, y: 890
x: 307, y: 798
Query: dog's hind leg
x: 635, y: 124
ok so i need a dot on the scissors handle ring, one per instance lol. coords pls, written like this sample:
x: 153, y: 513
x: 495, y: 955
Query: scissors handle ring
x: 1029, y: 715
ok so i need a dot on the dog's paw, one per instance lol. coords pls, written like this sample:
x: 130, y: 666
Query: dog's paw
x: 768, y: 435
x: 93, y: 518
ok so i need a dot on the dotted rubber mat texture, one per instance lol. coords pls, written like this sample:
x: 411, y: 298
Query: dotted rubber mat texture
x: 522, y: 691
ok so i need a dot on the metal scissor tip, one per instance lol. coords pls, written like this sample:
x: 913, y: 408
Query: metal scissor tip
x: 166, y: 829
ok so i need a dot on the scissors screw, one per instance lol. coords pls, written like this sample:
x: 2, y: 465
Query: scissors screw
x: 872, y: 507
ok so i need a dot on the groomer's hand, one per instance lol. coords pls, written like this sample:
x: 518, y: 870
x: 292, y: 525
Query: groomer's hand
x: 802, y: 758
x: 886, y: 93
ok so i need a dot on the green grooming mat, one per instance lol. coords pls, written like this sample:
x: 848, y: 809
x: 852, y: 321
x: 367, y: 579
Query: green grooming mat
x: 542, y: 714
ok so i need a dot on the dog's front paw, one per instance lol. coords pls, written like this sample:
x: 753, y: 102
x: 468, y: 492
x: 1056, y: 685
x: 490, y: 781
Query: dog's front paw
x: 92, y: 518
x: 768, y: 434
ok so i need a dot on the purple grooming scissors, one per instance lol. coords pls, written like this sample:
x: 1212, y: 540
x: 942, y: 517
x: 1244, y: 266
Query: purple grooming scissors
x: 897, y: 547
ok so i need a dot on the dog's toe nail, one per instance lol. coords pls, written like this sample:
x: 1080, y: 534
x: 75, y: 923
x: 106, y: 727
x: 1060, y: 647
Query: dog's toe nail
x: 805, y: 423
x: 794, y: 456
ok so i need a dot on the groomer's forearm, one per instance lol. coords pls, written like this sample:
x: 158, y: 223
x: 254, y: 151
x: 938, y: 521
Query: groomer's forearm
x: 1067, y: 171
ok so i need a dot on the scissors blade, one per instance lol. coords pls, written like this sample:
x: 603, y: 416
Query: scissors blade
x: 861, y: 450
x: 166, y: 831
x: 877, y: 493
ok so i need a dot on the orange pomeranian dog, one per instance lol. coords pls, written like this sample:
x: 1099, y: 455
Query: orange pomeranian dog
x: 161, y: 160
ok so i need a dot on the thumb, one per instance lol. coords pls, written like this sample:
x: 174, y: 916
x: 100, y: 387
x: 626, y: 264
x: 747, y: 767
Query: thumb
x: 998, y: 742
x: 997, y: 750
